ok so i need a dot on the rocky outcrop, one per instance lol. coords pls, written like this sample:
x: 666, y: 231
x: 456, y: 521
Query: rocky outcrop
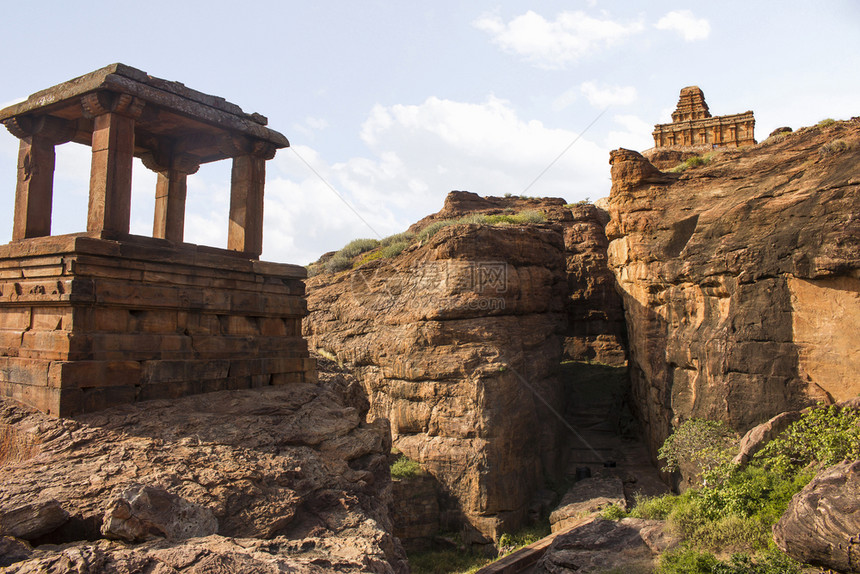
x: 822, y: 523
x: 458, y: 339
x: 277, y: 477
x: 586, y: 497
x: 741, y: 279
x: 595, y: 316
x: 457, y: 342
x: 600, y: 545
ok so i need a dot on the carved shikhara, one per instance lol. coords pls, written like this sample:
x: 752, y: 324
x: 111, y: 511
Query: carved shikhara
x: 694, y: 126
x: 103, y: 317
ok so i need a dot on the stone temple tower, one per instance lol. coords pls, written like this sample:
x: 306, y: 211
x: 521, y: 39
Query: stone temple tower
x: 694, y: 128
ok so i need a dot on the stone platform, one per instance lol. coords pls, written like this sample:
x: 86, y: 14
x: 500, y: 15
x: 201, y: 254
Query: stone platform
x: 89, y: 323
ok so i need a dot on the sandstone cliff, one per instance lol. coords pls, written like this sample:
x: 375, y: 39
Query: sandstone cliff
x: 741, y: 278
x: 254, y: 481
x: 458, y: 340
x: 595, y: 329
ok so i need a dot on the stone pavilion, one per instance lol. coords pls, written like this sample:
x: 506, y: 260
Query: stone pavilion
x: 102, y: 317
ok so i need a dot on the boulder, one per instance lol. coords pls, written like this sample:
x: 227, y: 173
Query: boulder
x: 457, y: 341
x: 275, y: 471
x: 143, y: 512
x: 740, y: 280
x: 822, y: 523
x: 212, y: 554
x: 599, y: 545
x: 29, y: 520
x: 587, y: 496
x: 758, y: 436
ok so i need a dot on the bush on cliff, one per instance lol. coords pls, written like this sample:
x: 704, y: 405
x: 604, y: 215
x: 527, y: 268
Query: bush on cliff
x: 405, y: 468
x: 700, y: 448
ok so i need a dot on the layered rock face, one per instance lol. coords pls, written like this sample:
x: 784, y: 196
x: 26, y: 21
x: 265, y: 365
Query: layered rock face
x: 250, y: 480
x: 595, y: 316
x: 456, y: 342
x: 741, y: 279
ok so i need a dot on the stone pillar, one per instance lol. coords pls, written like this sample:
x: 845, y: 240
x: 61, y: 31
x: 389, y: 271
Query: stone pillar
x: 35, y: 183
x: 246, y: 205
x: 247, y: 181
x: 170, y: 192
x: 34, y: 191
x: 113, y: 151
x: 169, y: 220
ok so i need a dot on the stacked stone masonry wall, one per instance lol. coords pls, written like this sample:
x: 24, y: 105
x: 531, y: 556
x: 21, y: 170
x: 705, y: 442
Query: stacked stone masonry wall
x: 88, y: 323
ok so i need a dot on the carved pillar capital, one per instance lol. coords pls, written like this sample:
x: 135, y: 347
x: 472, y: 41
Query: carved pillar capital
x: 50, y: 129
x: 103, y: 102
x: 162, y: 163
x: 235, y: 146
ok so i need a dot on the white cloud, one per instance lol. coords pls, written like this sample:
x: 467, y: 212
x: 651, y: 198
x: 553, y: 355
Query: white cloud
x: 603, y: 96
x: 634, y: 133
x: 684, y: 23
x: 417, y: 154
x: 316, y: 123
x: 565, y: 100
x: 555, y: 44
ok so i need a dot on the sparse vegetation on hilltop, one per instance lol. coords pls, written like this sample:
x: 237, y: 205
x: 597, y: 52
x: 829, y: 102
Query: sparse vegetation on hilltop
x: 394, y: 245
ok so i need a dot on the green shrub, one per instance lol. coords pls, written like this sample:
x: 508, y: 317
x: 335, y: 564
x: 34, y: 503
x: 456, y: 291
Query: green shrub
x: 654, y: 508
x: 433, y: 228
x: 824, y: 436
x: 393, y: 249
x: 705, y: 449
x: 405, y: 467
x: 826, y: 122
x: 446, y: 562
x: 686, y: 560
x: 523, y: 217
x: 357, y: 247
x: 338, y: 262
x: 694, y: 161
x: 406, y: 236
x: 613, y: 512
x: 511, y: 542
x: 367, y: 258
x: 833, y: 148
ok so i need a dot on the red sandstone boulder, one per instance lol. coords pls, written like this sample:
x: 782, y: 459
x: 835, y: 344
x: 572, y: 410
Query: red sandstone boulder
x: 600, y: 545
x: 822, y: 523
x: 145, y: 512
x: 289, y: 477
x: 464, y: 369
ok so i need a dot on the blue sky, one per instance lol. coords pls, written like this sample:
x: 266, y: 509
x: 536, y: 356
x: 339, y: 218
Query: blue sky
x: 394, y: 104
